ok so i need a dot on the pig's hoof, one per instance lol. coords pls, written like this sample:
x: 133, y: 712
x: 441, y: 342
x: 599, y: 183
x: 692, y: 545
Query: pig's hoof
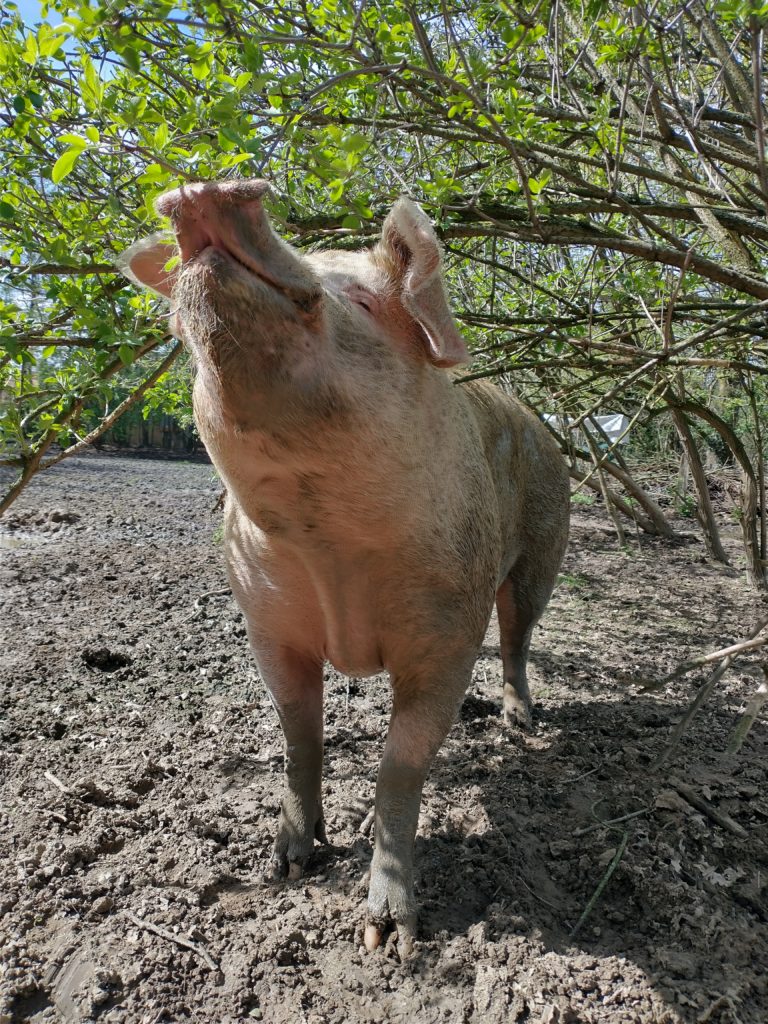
x: 519, y: 717
x: 406, y: 934
x: 280, y: 868
x: 276, y: 870
x: 292, y: 851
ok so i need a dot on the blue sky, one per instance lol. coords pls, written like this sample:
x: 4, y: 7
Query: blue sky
x: 30, y: 12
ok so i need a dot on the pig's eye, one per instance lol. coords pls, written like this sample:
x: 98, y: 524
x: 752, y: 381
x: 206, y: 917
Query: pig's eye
x: 363, y: 298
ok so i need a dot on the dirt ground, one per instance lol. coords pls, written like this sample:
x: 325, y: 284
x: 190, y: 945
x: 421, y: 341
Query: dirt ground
x: 140, y: 766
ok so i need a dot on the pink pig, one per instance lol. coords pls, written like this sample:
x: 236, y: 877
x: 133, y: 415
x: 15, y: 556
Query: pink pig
x: 375, y: 509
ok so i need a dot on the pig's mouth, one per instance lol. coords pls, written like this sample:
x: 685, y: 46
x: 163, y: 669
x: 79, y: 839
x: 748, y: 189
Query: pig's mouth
x: 210, y: 249
x: 305, y: 299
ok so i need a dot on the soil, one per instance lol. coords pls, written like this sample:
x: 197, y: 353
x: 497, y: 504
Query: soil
x: 140, y: 775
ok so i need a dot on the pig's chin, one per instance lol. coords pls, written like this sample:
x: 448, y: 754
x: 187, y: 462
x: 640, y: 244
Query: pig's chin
x: 218, y: 294
x: 248, y: 333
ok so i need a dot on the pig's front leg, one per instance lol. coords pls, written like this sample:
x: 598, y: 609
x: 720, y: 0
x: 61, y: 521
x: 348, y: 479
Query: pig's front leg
x: 422, y: 714
x: 295, y: 684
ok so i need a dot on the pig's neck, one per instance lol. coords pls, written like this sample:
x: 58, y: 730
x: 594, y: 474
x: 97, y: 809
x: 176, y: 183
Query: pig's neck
x: 333, y: 477
x: 270, y: 403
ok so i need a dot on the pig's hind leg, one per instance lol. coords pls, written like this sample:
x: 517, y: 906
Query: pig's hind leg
x: 520, y: 601
x: 295, y: 685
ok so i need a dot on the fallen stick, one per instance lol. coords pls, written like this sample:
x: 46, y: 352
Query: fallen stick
x: 747, y: 720
x: 701, y: 696
x: 609, y: 823
x: 615, y: 860
x: 204, y: 955
x: 201, y: 601
x: 57, y: 782
x: 752, y: 642
x: 224, y: 592
x: 704, y: 691
x: 693, y: 798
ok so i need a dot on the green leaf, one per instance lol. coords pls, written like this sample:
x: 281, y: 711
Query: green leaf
x: 355, y: 143
x: 131, y: 57
x: 7, y: 212
x: 50, y: 40
x: 160, y: 139
x: 92, y: 90
x: 65, y: 163
x: 30, y: 52
x: 153, y: 173
x: 125, y: 352
x: 233, y: 159
x: 230, y: 134
x: 201, y: 69
x: 74, y: 141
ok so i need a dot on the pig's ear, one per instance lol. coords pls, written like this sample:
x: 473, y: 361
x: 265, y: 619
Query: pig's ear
x: 410, y: 253
x: 144, y: 263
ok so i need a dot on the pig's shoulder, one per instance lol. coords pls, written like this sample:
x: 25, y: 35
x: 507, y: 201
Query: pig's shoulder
x: 495, y: 408
x: 505, y: 423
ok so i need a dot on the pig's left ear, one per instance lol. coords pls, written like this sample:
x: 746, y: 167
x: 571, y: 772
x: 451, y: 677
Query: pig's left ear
x: 410, y: 253
x: 144, y: 263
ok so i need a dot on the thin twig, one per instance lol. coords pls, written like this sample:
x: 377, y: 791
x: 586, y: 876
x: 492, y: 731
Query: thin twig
x: 536, y: 895
x: 204, y: 955
x: 701, y: 697
x: 118, y: 411
x: 612, y: 821
x: 224, y: 592
x: 601, y: 886
x: 57, y: 782
x: 747, y: 720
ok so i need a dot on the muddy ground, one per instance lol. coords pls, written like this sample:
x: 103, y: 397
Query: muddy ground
x: 140, y: 766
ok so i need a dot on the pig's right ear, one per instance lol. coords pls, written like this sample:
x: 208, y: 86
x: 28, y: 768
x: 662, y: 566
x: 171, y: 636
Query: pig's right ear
x: 410, y: 254
x: 145, y: 261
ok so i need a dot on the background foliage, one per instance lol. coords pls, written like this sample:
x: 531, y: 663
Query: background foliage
x: 597, y: 173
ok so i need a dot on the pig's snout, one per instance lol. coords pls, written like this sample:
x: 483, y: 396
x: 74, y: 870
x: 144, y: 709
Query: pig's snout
x: 234, y: 193
x: 228, y: 219
x: 202, y: 213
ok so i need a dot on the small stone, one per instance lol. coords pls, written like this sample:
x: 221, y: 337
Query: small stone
x: 102, y: 905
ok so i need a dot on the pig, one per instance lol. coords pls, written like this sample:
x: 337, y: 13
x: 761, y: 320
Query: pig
x: 375, y: 508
